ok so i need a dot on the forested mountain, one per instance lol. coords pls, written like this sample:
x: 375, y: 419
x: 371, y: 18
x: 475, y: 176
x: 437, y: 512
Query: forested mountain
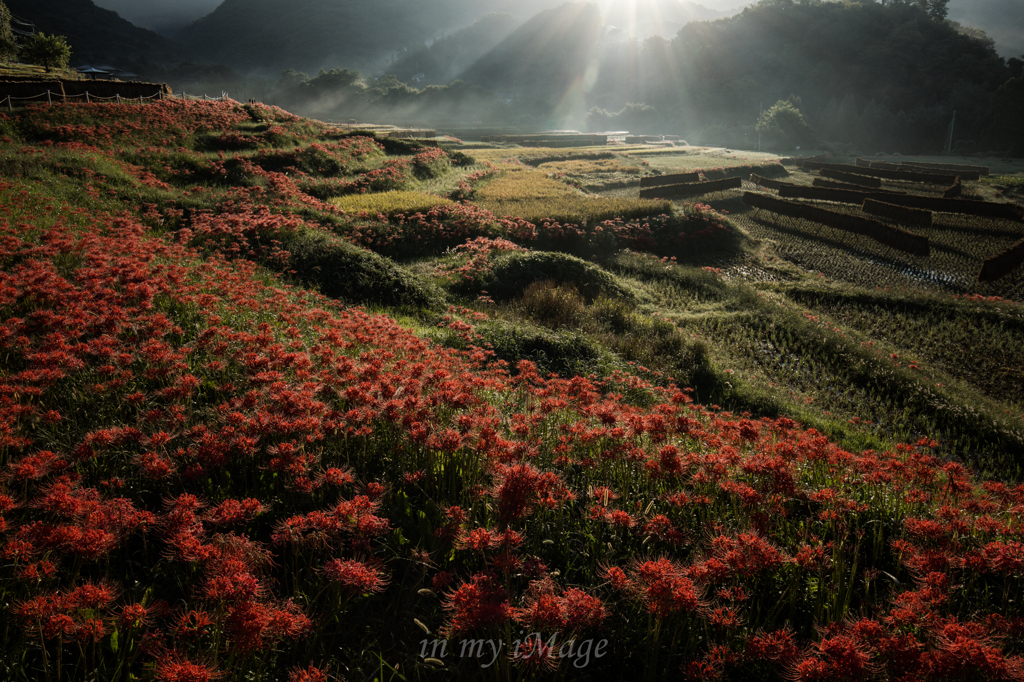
x: 369, y: 34
x: 1002, y: 20
x: 866, y: 73
x: 448, y: 58
x: 161, y: 16
x: 453, y: 56
x: 545, y: 55
x: 96, y: 34
x: 311, y: 34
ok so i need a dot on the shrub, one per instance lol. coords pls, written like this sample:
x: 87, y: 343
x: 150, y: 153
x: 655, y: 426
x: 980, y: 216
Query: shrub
x: 702, y: 284
x: 567, y: 353
x: 461, y: 159
x: 552, y: 305
x: 514, y: 272
x: 341, y: 270
x: 430, y: 163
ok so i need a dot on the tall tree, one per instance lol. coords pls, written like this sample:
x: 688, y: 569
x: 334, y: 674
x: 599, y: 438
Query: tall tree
x: 8, y: 46
x: 51, y: 51
x: 785, y: 127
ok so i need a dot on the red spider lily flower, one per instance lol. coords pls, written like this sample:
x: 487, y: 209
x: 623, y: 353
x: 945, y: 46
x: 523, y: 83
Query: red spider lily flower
x: 620, y: 519
x: 234, y: 511
x: 778, y: 646
x: 723, y: 617
x: 442, y: 580
x: 546, y: 611
x: 194, y: 624
x: 92, y: 629
x: 336, y: 476
x: 478, y: 540
x: 834, y: 658
x: 309, y: 674
x: 515, y: 491
x: 176, y: 668
x: 93, y: 596
x: 712, y: 666
x: 136, y: 615
x: 355, y: 577
x: 477, y: 604
x: 661, y: 585
x: 603, y: 495
x: 814, y: 557
x: 747, y: 554
x: 583, y: 612
x: 535, y: 654
x: 253, y: 626
x: 617, y: 578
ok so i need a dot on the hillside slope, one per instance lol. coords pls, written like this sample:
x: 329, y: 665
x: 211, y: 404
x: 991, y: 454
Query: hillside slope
x: 218, y: 464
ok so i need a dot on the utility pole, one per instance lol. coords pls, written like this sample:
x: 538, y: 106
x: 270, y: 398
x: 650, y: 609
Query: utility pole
x: 952, y: 125
x: 759, y: 114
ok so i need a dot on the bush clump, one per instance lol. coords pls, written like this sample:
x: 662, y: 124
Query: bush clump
x: 568, y: 353
x: 513, y: 273
x: 341, y: 270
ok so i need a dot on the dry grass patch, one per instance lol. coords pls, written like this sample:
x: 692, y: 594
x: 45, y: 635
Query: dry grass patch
x: 580, y: 167
x: 532, y: 195
x: 390, y: 203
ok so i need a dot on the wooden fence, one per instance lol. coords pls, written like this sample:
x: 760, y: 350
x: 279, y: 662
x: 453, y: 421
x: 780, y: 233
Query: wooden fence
x: 12, y: 91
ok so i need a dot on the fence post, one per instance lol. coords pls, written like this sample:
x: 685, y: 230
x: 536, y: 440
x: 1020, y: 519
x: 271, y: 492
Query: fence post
x: 10, y: 105
x: 48, y: 100
x: 140, y: 99
x: 87, y: 97
x: 117, y: 96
